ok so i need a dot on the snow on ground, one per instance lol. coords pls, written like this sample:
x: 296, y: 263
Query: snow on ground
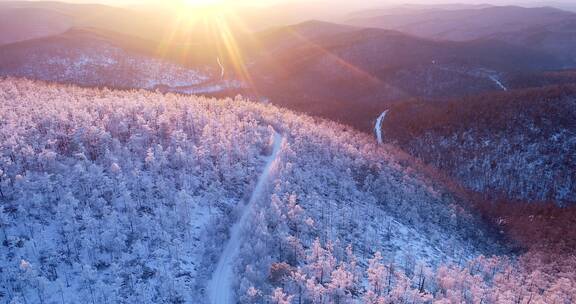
x: 208, y: 87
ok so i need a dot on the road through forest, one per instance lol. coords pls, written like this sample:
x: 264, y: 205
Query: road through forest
x: 220, y: 286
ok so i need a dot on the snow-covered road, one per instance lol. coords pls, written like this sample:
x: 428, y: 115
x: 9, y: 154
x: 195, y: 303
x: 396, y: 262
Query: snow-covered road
x: 498, y: 82
x: 378, y: 126
x: 220, y: 286
x: 222, y: 70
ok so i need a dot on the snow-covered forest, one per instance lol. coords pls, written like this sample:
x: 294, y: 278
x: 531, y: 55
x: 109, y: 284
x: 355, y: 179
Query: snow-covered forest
x: 112, y: 196
x: 84, y: 59
x: 518, y: 144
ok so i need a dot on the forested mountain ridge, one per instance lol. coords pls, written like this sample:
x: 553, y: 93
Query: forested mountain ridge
x: 518, y: 144
x: 127, y: 196
x: 358, y: 72
x: 545, y: 28
x: 117, y: 166
x: 89, y: 57
x: 461, y: 24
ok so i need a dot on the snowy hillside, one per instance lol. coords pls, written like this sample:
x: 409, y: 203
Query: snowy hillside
x: 138, y: 197
x: 89, y: 58
x: 125, y: 192
x: 518, y: 144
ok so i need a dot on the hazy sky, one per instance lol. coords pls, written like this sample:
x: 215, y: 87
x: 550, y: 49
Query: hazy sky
x: 332, y: 2
x: 337, y: 6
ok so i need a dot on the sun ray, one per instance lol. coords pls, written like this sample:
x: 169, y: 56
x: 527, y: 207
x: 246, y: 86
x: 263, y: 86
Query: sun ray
x: 339, y: 60
x: 233, y: 51
x: 218, y: 27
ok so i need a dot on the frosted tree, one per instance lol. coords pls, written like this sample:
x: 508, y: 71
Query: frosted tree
x: 279, y: 297
x: 341, y: 285
x: 377, y: 278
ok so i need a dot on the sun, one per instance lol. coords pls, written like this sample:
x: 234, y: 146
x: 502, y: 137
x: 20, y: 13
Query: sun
x: 204, y: 3
x: 213, y: 24
x: 205, y: 9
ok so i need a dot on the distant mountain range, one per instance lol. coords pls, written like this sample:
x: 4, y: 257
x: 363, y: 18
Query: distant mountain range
x: 546, y: 29
x: 453, y: 23
x: 345, y: 73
